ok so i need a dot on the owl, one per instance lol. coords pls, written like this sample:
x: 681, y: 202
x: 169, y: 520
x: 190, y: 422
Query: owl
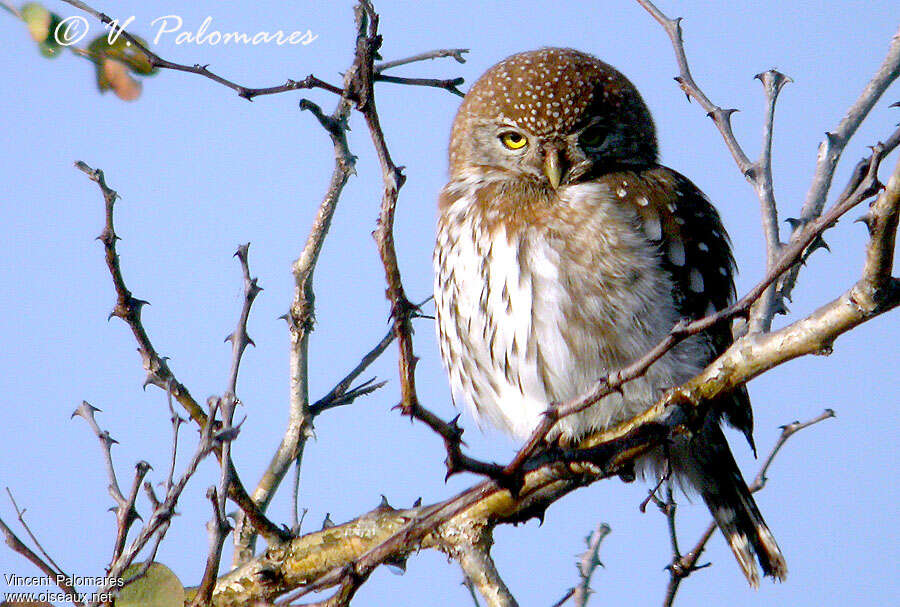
x: 565, y: 251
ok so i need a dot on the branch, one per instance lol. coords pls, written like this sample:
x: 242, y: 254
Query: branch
x: 239, y: 338
x: 791, y: 254
x: 683, y: 565
x: 301, y: 319
x: 20, y: 548
x: 128, y: 308
x: 835, y: 141
x: 455, y: 53
x: 588, y: 563
x: 246, y: 92
x: 475, y: 560
x: 769, y: 304
x: 448, y: 85
x: 721, y: 117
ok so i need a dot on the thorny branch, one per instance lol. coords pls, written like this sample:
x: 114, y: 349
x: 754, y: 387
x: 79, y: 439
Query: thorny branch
x: 864, y: 186
x: 46, y: 564
x: 128, y: 308
x: 125, y: 553
x: 835, y: 141
x: 587, y: 564
x: 357, y: 87
x: 344, y: 556
x: 683, y: 565
x: 759, y: 173
x: 309, y: 82
x: 313, y: 566
x: 219, y: 527
x: 19, y: 547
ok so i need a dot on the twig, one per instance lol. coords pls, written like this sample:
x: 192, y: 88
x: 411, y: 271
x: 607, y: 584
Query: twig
x: 341, y: 393
x: 683, y: 565
x: 242, y: 91
x: 835, y: 141
x: 721, y: 117
x: 448, y: 85
x: 588, y: 563
x: 218, y: 528
x: 129, y: 308
x: 126, y: 512
x: 767, y: 305
x: 20, y: 514
x: 301, y: 319
x: 239, y: 338
x: 12, y: 9
x: 20, y: 548
x: 455, y: 53
x: 163, y: 511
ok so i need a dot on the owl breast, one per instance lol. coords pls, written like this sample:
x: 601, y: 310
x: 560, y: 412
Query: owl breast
x: 538, y: 297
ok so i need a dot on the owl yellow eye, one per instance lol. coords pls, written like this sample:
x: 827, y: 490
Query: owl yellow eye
x: 593, y: 136
x: 513, y: 140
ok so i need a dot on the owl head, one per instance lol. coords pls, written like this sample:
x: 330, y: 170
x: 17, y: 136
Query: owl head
x: 555, y: 115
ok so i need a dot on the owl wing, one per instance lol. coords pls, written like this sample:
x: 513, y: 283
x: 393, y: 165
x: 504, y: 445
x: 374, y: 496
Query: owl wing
x: 696, y: 251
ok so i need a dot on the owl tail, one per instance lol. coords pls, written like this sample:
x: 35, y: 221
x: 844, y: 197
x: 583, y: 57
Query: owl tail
x: 715, y: 475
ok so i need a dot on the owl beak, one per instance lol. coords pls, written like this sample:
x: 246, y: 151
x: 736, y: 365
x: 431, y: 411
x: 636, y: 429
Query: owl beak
x: 554, y: 168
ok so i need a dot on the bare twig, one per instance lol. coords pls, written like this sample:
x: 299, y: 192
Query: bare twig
x: 159, y: 374
x: 588, y: 563
x: 20, y: 548
x: 448, y: 84
x: 341, y: 393
x: 20, y: 514
x: 9, y: 7
x: 239, y: 338
x: 835, y: 141
x: 455, y: 53
x: 721, y: 117
x: 126, y: 512
x: 301, y: 319
x: 683, y: 565
x: 767, y: 305
x: 218, y: 528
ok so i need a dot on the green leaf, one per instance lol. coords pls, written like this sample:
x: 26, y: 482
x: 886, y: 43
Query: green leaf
x: 42, y: 26
x: 125, y: 52
x: 159, y: 587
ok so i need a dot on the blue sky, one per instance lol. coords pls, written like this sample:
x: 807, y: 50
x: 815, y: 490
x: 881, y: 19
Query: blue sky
x: 201, y: 170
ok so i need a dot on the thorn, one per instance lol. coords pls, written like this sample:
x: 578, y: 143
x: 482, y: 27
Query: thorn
x: 417, y: 503
x: 384, y: 505
x: 818, y: 243
x: 328, y: 523
x: 85, y: 410
x: 794, y: 223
